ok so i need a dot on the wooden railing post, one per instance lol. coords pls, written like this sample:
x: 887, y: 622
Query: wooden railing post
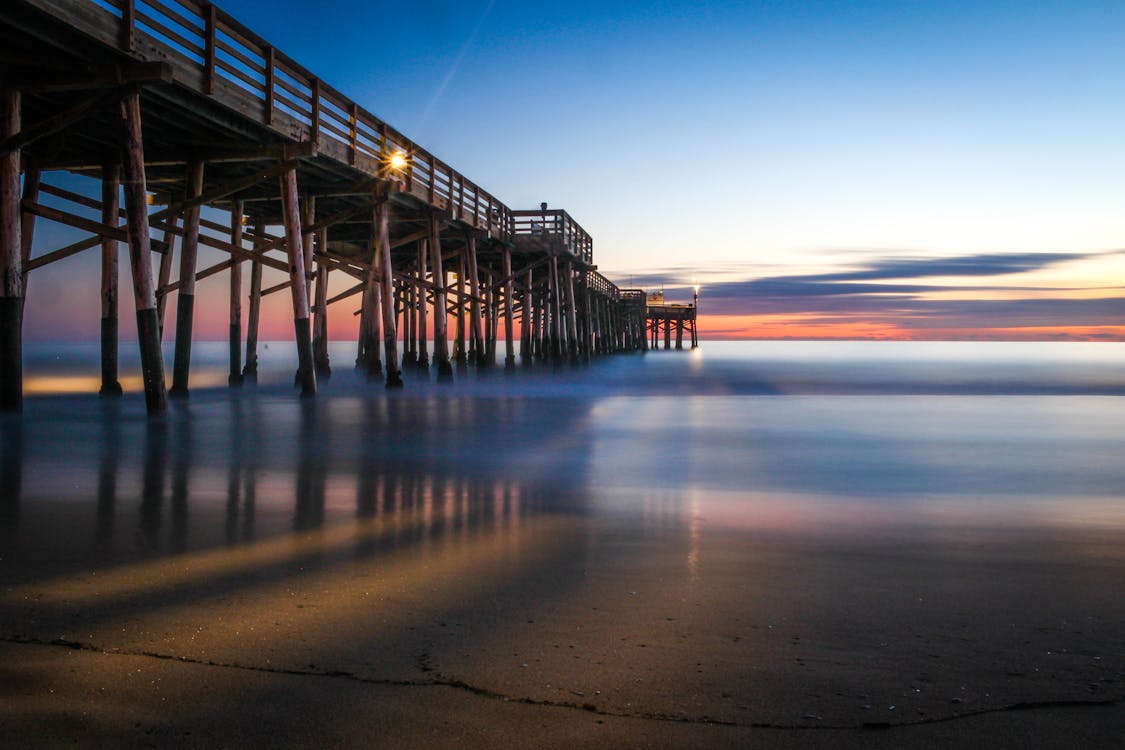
x: 210, y: 18
x: 314, y: 119
x: 128, y: 28
x: 271, y: 63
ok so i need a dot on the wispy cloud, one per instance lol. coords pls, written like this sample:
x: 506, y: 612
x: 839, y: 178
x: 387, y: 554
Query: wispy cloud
x: 905, y: 293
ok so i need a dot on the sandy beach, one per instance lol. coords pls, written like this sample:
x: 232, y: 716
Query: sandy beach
x: 526, y: 571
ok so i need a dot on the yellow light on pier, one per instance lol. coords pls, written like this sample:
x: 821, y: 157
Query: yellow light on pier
x: 398, y: 161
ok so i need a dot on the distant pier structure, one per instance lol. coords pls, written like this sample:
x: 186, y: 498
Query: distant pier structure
x: 663, y: 318
x: 174, y: 106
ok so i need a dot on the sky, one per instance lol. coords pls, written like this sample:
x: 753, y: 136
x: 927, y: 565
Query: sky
x: 907, y: 170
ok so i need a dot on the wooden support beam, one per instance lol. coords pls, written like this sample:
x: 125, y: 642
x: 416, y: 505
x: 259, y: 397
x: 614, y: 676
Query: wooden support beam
x: 52, y: 124
x: 349, y: 292
x: 306, y: 373
x: 171, y: 228
x: 111, y: 184
x: 140, y: 253
x: 234, y: 186
x: 78, y: 222
x: 11, y: 259
x: 96, y: 77
x: 185, y: 298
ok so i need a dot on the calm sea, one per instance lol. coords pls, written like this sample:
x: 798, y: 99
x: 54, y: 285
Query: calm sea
x: 777, y: 437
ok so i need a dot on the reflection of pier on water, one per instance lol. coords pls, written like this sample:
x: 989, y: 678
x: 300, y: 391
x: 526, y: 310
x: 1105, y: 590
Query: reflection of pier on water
x: 242, y: 471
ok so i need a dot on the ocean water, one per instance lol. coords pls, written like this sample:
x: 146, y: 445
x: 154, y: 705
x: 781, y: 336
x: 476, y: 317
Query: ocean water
x: 793, y: 437
x: 792, y: 534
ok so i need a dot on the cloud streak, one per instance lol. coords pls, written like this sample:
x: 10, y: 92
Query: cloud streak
x: 904, y: 294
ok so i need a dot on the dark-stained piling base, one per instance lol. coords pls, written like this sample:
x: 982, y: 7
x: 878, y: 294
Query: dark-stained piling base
x: 152, y: 366
x: 11, y: 354
x: 110, y: 384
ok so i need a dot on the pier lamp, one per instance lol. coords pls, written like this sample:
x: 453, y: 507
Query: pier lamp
x: 695, y: 288
x: 397, y: 161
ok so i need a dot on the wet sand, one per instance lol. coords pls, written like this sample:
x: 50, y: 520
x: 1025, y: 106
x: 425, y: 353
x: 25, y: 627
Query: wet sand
x: 436, y: 570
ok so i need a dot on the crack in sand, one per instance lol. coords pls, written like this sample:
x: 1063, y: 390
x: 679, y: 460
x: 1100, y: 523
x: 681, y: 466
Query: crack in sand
x: 442, y: 681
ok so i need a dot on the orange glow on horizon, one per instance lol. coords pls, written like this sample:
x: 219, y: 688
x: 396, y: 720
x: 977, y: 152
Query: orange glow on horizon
x: 808, y: 326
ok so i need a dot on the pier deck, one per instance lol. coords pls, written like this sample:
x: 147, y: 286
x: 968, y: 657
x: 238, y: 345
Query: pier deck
x: 174, y: 106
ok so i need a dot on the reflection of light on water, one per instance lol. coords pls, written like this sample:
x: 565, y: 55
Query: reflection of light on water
x: 41, y: 385
x: 693, y: 537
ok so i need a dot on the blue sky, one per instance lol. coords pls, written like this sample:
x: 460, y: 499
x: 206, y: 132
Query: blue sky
x: 750, y: 144
x: 740, y: 141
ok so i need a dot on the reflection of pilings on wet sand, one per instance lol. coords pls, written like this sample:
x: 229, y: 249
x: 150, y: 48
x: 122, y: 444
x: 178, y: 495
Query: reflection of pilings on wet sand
x: 109, y: 464
x: 182, y: 464
x: 235, y: 461
x: 152, y: 484
x: 312, y: 470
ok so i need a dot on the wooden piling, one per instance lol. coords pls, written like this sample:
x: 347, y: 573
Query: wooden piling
x: 111, y: 183
x: 441, y: 345
x: 459, y: 355
x: 474, y: 293
x: 525, y: 323
x: 185, y: 302
x: 11, y: 259
x: 235, y: 338
x: 556, y: 311
x: 140, y: 253
x: 679, y: 333
x: 572, y: 313
x: 386, y: 274
x: 306, y: 373
x: 509, y: 313
x: 369, y: 311
x: 250, y: 369
x: 423, y: 360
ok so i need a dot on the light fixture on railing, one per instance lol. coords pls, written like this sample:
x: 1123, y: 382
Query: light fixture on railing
x: 397, y: 161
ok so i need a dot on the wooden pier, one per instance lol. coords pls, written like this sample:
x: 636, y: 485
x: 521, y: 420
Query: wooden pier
x: 175, y: 106
x: 664, y: 318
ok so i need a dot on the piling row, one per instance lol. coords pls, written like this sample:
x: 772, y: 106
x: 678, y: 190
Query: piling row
x: 179, y: 108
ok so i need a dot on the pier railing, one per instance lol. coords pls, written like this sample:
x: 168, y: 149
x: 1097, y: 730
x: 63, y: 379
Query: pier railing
x: 555, y: 224
x: 221, y: 57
